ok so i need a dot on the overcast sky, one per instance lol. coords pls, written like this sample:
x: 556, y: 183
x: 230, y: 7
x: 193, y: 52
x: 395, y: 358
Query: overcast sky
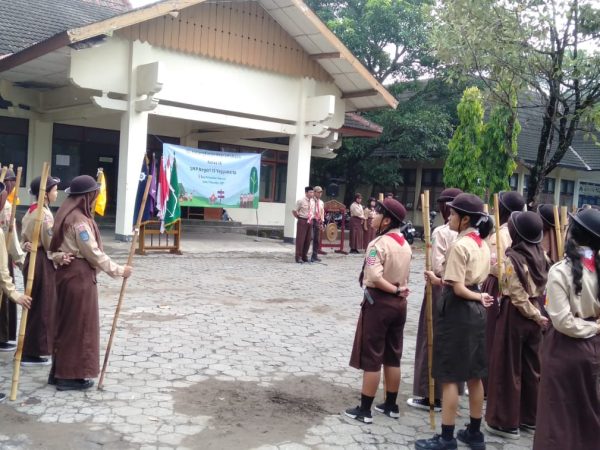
x: 137, y: 3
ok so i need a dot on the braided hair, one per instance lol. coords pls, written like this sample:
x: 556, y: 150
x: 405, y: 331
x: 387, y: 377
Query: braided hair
x: 579, y: 237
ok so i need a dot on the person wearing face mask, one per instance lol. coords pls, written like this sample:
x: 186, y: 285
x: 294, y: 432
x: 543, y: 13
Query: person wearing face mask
x: 568, y: 408
x: 75, y: 358
x: 514, y: 366
x: 459, y: 333
x: 379, y: 333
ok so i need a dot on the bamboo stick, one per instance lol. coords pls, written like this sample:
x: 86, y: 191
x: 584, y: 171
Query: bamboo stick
x: 380, y: 198
x: 564, y: 222
x: 136, y: 232
x: 428, y: 305
x: 13, y: 210
x: 499, y: 249
x: 559, y: 242
x: 29, y: 285
x: 3, y: 174
x: 486, y: 208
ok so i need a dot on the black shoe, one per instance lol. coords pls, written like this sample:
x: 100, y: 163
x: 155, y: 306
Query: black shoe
x: 315, y: 259
x: 304, y: 259
x: 437, y: 442
x: 298, y: 260
x: 390, y: 411
x: 528, y: 428
x: 474, y: 440
x: 80, y: 384
x: 7, y: 347
x: 35, y: 361
x: 359, y: 414
x: 508, y: 433
x: 2, y: 397
x: 353, y: 251
x: 51, y: 380
x: 423, y: 403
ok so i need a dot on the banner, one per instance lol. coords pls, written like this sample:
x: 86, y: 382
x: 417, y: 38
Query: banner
x: 216, y: 179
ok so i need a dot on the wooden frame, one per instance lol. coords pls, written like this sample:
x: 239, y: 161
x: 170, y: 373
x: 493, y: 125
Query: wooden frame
x: 169, y: 241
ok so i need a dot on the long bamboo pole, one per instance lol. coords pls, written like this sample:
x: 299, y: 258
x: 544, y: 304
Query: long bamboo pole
x: 30, y: 274
x: 564, y: 223
x: 136, y: 232
x: 428, y: 305
x: 3, y: 174
x: 559, y: 241
x: 380, y: 198
x: 499, y: 250
x: 13, y: 210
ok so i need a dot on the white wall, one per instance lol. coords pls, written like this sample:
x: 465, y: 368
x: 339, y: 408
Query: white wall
x: 268, y: 214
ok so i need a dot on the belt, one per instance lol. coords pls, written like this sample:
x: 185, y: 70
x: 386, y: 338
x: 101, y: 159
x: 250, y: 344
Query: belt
x: 302, y: 218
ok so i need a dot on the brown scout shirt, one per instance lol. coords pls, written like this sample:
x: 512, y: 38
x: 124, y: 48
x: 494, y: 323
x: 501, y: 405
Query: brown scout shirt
x: 467, y: 262
x: 28, y: 225
x: 567, y: 310
x: 441, y: 238
x: 387, y: 259
x: 6, y: 282
x: 13, y: 248
x: 519, y: 294
x: 505, y: 242
x: 303, y: 207
x: 79, y: 240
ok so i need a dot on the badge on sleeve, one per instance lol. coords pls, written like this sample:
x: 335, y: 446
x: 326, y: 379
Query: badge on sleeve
x: 83, y: 233
x: 372, y: 257
x: 50, y: 232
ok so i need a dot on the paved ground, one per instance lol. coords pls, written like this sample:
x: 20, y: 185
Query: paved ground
x: 230, y: 346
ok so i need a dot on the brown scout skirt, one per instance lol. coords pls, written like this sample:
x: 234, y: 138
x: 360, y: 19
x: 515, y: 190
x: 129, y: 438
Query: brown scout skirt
x: 369, y: 233
x: 459, y: 339
x: 379, y: 332
x: 569, y: 395
x: 356, y: 233
x: 39, y: 333
x: 514, y: 369
x: 490, y: 285
x: 8, y: 312
x: 77, y: 340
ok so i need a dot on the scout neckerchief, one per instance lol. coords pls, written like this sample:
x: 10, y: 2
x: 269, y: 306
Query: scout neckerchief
x: 475, y: 236
x: 370, y: 259
x: 588, y: 259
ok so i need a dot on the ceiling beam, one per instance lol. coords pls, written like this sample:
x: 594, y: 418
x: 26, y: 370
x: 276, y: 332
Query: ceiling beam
x: 332, y: 55
x: 357, y: 94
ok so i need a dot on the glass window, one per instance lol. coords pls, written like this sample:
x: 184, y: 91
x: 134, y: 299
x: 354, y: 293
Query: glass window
x: 549, y: 185
x: 267, y: 179
x: 567, y: 187
x: 280, y: 182
x: 514, y: 182
x: 13, y: 143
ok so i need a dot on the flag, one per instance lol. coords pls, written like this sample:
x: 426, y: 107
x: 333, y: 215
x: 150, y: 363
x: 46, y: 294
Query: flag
x: 101, y: 199
x: 11, y: 197
x: 140, y: 195
x: 153, y: 187
x: 173, y: 209
x: 162, y: 193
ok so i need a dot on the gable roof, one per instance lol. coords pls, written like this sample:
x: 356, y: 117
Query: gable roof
x: 361, y: 89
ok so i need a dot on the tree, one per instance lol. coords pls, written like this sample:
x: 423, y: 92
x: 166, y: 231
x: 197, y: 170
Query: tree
x: 463, y: 168
x: 547, y: 51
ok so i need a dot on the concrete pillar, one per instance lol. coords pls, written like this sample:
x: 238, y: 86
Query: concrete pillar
x: 132, y: 148
x: 39, y: 151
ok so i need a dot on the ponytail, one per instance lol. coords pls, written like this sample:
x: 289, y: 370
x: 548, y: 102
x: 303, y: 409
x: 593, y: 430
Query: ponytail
x: 581, y: 237
x: 483, y: 223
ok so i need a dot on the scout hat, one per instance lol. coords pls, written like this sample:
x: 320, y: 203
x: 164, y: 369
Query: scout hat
x: 528, y: 225
x: 34, y: 186
x: 469, y: 204
x: 512, y: 201
x: 10, y: 175
x: 82, y: 185
x: 589, y: 219
x: 394, y: 208
x: 448, y: 195
x: 546, y: 212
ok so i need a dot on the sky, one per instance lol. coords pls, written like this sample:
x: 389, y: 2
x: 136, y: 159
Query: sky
x: 138, y: 3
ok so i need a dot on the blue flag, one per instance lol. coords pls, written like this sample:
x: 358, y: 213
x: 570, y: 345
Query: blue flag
x: 147, y: 216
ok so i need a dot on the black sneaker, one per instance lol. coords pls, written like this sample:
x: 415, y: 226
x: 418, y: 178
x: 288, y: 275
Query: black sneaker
x: 437, y: 442
x: 423, y: 403
x: 360, y: 415
x: 474, y: 440
x: 315, y: 259
x: 390, y: 411
x: 2, y: 397
x: 508, y: 433
x: 353, y: 251
x: 80, y: 384
x: 35, y: 361
x: 526, y: 427
x: 7, y: 347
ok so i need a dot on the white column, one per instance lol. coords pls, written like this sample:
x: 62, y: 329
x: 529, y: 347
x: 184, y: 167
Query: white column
x: 39, y: 151
x: 576, y: 192
x: 132, y: 148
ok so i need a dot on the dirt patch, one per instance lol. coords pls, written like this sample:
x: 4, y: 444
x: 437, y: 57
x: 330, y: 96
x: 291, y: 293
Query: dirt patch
x: 24, y: 431
x: 245, y: 415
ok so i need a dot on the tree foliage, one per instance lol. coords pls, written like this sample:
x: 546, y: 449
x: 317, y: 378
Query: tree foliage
x: 463, y: 167
x: 547, y: 51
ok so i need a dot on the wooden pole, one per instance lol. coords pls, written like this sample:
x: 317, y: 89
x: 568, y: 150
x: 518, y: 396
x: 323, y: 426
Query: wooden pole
x: 136, y: 232
x: 3, y: 174
x: 499, y: 249
x: 13, y: 211
x: 428, y: 304
x: 559, y: 242
x: 39, y: 216
x: 564, y: 223
x: 380, y: 197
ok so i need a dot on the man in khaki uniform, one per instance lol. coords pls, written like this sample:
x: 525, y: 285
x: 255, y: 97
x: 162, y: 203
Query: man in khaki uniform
x: 303, y: 212
x: 318, y: 216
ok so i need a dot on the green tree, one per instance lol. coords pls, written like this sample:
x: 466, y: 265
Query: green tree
x: 545, y: 50
x: 463, y: 167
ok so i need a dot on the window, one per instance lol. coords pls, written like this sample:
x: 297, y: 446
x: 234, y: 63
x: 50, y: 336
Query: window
x: 549, y: 184
x: 267, y: 181
x: 567, y: 187
x: 13, y: 143
x: 514, y: 181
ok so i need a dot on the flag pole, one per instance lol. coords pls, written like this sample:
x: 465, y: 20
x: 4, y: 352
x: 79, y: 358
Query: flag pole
x: 559, y: 241
x: 428, y: 304
x: 136, y: 232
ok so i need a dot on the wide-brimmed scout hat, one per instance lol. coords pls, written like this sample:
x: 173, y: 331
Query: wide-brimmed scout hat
x: 589, y: 219
x: 546, y: 212
x: 448, y: 195
x: 34, y: 186
x: 394, y: 208
x: 528, y: 225
x: 511, y: 200
x: 468, y: 204
x: 10, y: 175
x: 82, y: 185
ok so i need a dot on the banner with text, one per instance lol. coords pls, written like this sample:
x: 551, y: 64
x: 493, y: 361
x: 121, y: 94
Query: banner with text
x: 216, y: 179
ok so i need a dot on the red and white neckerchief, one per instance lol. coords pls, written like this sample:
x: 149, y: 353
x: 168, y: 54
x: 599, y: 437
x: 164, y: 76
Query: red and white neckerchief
x: 475, y: 236
x: 588, y: 259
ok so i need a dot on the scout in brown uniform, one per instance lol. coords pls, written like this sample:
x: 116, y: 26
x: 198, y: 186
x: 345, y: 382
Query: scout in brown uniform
x: 39, y: 333
x: 379, y: 332
x: 546, y: 212
x: 318, y: 216
x: 568, y: 410
x: 368, y: 230
x: 509, y: 202
x: 76, y: 345
x: 441, y: 239
x: 357, y: 218
x: 8, y: 310
x: 6, y: 282
x: 459, y: 334
x: 303, y: 213
x: 514, y: 366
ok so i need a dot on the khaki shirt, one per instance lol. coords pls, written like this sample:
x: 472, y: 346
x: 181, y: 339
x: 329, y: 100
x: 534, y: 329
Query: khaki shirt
x: 303, y: 207
x: 387, y: 259
x: 28, y: 225
x: 356, y: 210
x: 441, y: 238
x: 80, y: 241
x: 519, y: 294
x: 6, y: 282
x: 466, y: 261
x: 567, y: 310
x: 13, y: 247
x: 505, y: 242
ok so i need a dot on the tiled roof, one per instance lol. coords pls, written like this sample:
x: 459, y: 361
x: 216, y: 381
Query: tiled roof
x: 357, y: 125
x: 25, y: 23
